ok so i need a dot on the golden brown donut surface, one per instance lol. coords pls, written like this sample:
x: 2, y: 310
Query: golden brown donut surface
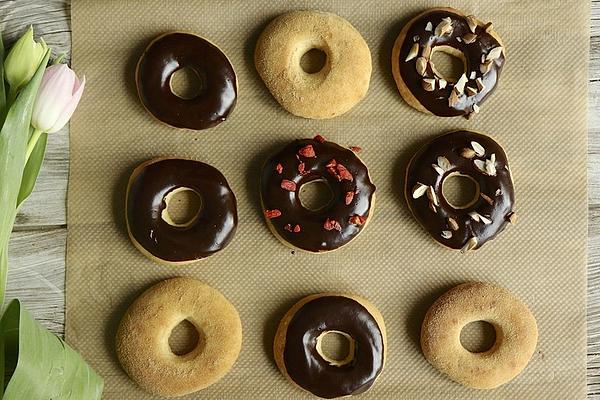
x: 469, y: 154
x: 337, y: 87
x: 304, y: 161
x: 171, y: 52
x: 142, y: 340
x: 298, y: 352
x: 516, y: 335
x: 444, y: 29
x: 153, y: 232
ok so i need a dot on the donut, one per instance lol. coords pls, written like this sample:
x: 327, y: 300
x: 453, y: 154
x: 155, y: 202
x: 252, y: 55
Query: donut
x: 171, y: 52
x: 468, y: 154
x: 142, y: 340
x: 516, y: 335
x: 337, y: 87
x: 332, y: 226
x: 151, y: 228
x: 463, y: 36
x: 297, y: 344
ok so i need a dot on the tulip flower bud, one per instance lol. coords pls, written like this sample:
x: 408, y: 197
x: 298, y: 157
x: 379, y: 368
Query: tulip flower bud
x: 57, y: 98
x: 23, y: 60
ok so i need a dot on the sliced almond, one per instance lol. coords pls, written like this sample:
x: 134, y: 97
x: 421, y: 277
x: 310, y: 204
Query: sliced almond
x: 493, y: 158
x: 474, y: 216
x: 438, y: 169
x: 475, y: 108
x: 487, y: 198
x: 470, y: 91
x: 426, y: 51
x: 512, y: 218
x: 442, y: 83
x: 432, y: 196
x: 485, y: 67
x: 480, y: 85
x: 419, y: 190
x: 414, y: 50
x: 453, y: 99
x: 470, y: 245
x: 432, y: 207
x: 459, y: 39
x: 460, y: 85
x: 479, y: 149
x: 467, y: 153
x: 490, y: 167
x: 444, y: 27
x: 494, y: 53
x: 469, y: 38
x: 472, y: 22
x: 473, y: 75
x: 480, y: 164
x: 421, y: 66
x: 429, y: 27
x: 428, y: 84
x: 444, y: 163
x: 485, y: 220
x: 446, y: 234
x: 452, y: 223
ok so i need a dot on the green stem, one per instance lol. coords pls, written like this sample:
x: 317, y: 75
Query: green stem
x: 3, y: 274
x: 32, y: 142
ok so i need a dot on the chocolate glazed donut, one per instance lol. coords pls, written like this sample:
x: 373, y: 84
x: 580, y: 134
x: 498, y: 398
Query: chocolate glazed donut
x: 468, y: 154
x: 298, y: 340
x: 171, y: 52
x: 327, y: 228
x: 149, y: 225
x: 445, y: 29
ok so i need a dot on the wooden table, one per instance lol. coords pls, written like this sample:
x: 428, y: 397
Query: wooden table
x: 38, y: 245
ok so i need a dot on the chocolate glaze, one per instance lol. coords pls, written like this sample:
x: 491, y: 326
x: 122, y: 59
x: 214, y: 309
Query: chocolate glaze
x: 498, y: 188
x: 310, y: 371
x: 313, y: 236
x: 437, y: 100
x: 171, y: 52
x: 210, y: 232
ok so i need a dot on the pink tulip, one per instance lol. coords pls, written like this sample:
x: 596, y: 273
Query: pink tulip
x: 57, y: 98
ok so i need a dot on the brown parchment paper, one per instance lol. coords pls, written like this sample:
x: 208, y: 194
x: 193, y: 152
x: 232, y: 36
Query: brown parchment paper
x: 538, y: 114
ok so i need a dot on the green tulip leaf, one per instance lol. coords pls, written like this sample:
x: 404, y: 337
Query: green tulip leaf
x: 43, y: 366
x: 2, y: 87
x: 32, y: 169
x: 14, y: 136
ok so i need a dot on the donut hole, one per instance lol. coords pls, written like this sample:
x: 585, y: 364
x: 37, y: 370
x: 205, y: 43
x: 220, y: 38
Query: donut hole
x: 448, y: 63
x: 313, y: 61
x: 315, y: 195
x: 182, y: 207
x: 478, y: 336
x: 184, y: 338
x: 335, y: 347
x: 186, y: 83
x: 460, y: 191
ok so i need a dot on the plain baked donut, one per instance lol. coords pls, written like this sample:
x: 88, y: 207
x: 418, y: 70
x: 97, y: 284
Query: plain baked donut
x: 142, y: 340
x: 332, y: 226
x: 463, y: 36
x: 297, y: 345
x: 516, y: 335
x: 150, y: 226
x: 337, y: 87
x: 171, y: 52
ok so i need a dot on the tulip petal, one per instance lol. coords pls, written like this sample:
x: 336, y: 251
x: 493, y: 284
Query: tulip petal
x: 52, y: 97
x: 69, y: 109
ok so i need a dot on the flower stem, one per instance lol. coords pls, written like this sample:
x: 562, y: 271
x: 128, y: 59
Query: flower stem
x: 32, y: 142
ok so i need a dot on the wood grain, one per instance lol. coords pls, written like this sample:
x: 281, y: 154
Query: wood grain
x: 37, y: 250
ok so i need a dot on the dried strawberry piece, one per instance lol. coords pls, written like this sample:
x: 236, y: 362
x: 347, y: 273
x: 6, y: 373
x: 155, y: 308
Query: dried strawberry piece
x: 297, y: 228
x: 272, y: 213
x: 349, y: 197
x: 288, y: 185
x: 279, y: 168
x: 319, y: 139
x: 332, y: 163
x: 307, y: 151
x: 344, y: 173
x: 288, y: 227
x: 356, y: 149
x: 331, y: 224
x: 357, y: 220
x: 301, y: 168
